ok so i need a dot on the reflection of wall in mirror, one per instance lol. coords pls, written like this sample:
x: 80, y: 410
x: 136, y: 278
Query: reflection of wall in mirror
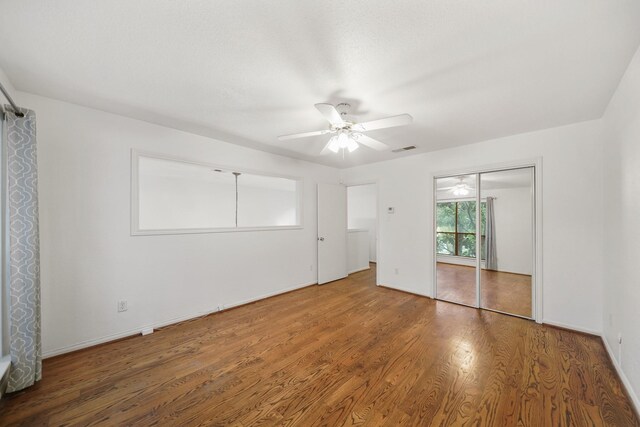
x: 513, y: 212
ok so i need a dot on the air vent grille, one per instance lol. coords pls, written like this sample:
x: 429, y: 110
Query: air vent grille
x: 400, y: 150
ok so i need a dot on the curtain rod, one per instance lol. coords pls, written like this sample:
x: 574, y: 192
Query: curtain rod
x: 13, y: 104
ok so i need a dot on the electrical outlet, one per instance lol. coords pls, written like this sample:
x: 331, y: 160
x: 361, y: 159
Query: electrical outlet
x: 122, y: 305
x: 397, y: 270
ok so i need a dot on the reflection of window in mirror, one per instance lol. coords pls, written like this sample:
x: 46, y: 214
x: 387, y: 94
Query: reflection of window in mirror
x: 173, y: 195
x: 456, y: 228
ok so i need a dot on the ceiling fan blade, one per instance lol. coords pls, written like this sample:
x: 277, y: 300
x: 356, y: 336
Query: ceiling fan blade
x: 304, y: 135
x: 326, y: 150
x: 330, y: 113
x: 370, y: 142
x: 388, y: 122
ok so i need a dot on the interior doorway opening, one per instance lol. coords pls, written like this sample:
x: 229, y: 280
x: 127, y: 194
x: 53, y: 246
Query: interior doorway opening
x: 362, y: 222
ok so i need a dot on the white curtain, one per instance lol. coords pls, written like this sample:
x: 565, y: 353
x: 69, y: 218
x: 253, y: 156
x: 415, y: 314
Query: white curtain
x: 491, y: 261
x: 23, y: 251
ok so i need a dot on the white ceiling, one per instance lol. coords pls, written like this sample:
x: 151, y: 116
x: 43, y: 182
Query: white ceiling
x: 499, y: 180
x: 248, y: 71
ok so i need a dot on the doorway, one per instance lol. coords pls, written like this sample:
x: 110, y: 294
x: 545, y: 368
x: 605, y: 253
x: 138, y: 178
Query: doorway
x: 485, y: 240
x: 362, y: 220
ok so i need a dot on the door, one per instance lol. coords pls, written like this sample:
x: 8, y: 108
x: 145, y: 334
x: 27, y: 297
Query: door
x: 506, y: 283
x: 332, y: 232
x: 485, y: 240
x: 456, y: 239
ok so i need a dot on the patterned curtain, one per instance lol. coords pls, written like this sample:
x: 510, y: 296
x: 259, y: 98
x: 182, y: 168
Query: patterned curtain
x: 23, y: 251
x: 491, y: 262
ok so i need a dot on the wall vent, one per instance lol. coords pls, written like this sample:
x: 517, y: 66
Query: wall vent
x: 400, y: 150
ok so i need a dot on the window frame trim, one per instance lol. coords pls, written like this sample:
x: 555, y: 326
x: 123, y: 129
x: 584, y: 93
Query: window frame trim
x: 134, y: 202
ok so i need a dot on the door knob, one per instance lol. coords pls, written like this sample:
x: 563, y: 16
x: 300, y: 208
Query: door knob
x: 321, y: 239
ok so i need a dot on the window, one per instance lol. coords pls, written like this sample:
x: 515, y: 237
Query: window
x: 176, y: 196
x: 456, y: 228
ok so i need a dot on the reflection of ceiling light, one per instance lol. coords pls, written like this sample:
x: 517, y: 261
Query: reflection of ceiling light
x: 342, y: 141
x: 333, y: 144
x: 461, y: 189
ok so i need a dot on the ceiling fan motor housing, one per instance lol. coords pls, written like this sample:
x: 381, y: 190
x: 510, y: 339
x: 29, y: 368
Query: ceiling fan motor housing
x: 343, y: 108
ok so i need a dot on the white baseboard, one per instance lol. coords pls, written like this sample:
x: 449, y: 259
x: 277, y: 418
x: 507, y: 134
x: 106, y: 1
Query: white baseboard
x: 138, y: 330
x: 271, y: 294
x: 625, y: 381
x: 409, y: 291
x: 572, y: 327
x: 359, y: 269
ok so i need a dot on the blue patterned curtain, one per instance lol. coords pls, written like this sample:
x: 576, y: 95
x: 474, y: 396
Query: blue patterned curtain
x: 23, y: 251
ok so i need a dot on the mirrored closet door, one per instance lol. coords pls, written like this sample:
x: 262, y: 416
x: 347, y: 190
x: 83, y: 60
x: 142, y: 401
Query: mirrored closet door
x: 507, y: 262
x: 484, y: 240
x: 456, y: 239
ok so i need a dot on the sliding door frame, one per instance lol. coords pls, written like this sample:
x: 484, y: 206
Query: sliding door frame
x: 378, y: 214
x: 536, y: 276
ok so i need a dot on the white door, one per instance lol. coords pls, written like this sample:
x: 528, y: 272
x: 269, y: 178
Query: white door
x: 332, y: 232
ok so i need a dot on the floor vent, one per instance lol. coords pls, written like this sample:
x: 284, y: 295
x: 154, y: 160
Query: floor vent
x: 400, y: 150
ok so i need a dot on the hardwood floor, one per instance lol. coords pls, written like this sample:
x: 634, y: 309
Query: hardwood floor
x: 345, y: 353
x: 507, y: 292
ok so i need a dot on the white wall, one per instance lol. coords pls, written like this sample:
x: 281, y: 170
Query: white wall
x: 90, y: 260
x: 357, y: 250
x: 362, y: 206
x: 572, y: 254
x: 622, y: 227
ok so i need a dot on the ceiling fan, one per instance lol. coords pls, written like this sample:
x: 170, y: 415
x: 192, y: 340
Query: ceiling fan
x: 348, y: 134
x: 461, y: 188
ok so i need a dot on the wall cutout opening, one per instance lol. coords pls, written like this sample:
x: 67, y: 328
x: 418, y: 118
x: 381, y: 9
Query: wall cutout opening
x: 175, y: 196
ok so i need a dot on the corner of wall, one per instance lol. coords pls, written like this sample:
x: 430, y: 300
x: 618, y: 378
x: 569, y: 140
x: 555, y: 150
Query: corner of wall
x: 4, y: 79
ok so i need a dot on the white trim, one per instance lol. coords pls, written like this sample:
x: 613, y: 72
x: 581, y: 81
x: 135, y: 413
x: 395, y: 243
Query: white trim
x: 359, y: 269
x: 409, y: 291
x: 625, y: 381
x: 213, y: 230
x: 268, y: 295
x: 156, y: 325
x: 135, y: 227
x: 571, y: 327
x: 458, y: 260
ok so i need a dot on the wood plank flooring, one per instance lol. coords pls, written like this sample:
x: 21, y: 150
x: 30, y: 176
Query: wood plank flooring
x: 507, y: 292
x: 345, y: 353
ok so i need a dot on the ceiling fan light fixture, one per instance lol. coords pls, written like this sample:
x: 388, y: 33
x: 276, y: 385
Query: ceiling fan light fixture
x: 343, y: 140
x: 347, y: 130
x: 460, y: 190
x: 334, y: 145
x: 352, y: 145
